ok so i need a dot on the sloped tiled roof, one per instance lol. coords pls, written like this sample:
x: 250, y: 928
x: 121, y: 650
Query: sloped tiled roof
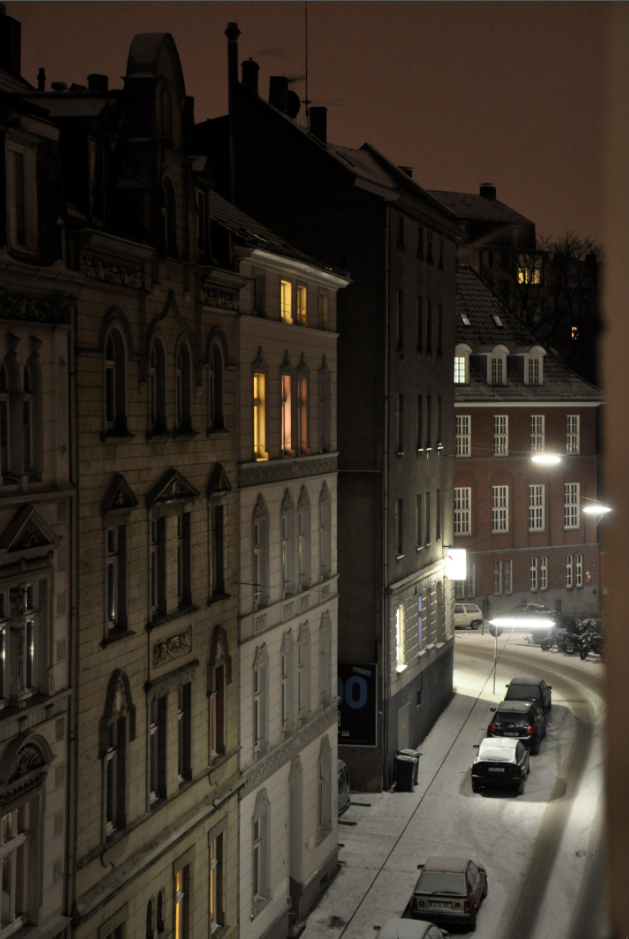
x: 468, y: 206
x: 479, y: 304
x: 72, y: 104
x: 253, y: 233
x: 12, y: 83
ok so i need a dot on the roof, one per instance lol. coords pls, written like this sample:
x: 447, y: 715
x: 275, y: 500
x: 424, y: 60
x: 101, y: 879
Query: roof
x: 498, y: 749
x: 396, y: 928
x: 453, y: 865
x: 525, y: 681
x: 250, y: 232
x: 481, y: 307
x: 469, y: 206
x: 60, y: 104
x: 12, y: 83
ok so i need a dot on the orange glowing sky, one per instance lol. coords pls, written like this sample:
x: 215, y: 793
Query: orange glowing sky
x: 512, y: 93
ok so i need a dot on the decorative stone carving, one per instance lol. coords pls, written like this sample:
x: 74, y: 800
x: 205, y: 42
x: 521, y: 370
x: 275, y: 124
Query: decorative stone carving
x: 119, y: 497
x: 219, y: 481
x: 222, y: 298
x: 19, y: 306
x: 112, y: 270
x: 172, y: 487
x: 28, y: 759
x: 265, y: 767
x: 259, y: 623
x: 274, y: 472
x: 172, y: 648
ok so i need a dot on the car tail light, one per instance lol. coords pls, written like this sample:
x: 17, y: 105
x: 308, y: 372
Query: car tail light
x: 513, y: 769
x: 466, y: 906
x: 414, y: 903
x: 479, y: 768
x: 530, y: 730
x: 491, y: 729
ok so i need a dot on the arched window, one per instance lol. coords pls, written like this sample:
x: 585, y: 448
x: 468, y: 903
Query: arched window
x: 160, y: 911
x: 169, y: 213
x: 303, y: 540
x: 287, y: 534
x: 217, y: 420
x: 5, y: 421
x: 287, y: 671
x: 115, y: 383
x: 303, y: 672
x: 325, y: 658
x: 325, y: 532
x: 157, y: 387
x: 287, y: 409
x: 183, y: 387
x: 325, y: 409
x: 260, y: 576
x: 260, y: 700
x: 118, y: 729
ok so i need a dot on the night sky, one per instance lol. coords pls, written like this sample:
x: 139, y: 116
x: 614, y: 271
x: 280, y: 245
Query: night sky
x: 510, y: 93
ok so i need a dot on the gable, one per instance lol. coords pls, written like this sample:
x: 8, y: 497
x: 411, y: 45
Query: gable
x: 219, y: 481
x: 27, y: 533
x: 172, y: 488
x: 119, y: 498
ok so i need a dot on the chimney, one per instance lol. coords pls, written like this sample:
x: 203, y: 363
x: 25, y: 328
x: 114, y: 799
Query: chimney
x: 250, y: 71
x: 278, y: 89
x: 319, y: 123
x: 59, y: 86
x: 10, y: 42
x: 232, y: 32
x: 488, y: 191
x: 41, y: 79
x: 96, y: 82
x: 407, y: 169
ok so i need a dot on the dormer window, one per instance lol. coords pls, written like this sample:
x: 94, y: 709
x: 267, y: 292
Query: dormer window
x: 465, y: 319
x: 497, y: 366
x: 534, y: 371
x: 497, y: 320
x: 497, y: 370
x: 21, y: 197
x: 534, y: 366
x: 461, y: 364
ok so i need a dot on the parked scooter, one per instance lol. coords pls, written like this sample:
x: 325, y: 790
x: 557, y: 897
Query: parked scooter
x: 592, y: 641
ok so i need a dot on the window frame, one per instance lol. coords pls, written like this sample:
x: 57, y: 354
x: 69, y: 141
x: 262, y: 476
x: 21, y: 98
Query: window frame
x: 463, y: 435
x: 538, y: 433
x: 537, y: 507
x: 501, y: 435
x: 28, y: 153
x: 462, y: 506
x: 573, y: 433
x: 500, y: 509
x: 571, y: 506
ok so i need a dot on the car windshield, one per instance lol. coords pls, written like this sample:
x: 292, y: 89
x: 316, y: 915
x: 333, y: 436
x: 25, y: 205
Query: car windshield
x: 471, y: 608
x: 442, y: 882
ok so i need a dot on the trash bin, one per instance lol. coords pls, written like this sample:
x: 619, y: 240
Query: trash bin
x: 405, y: 770
x: 407, y: 751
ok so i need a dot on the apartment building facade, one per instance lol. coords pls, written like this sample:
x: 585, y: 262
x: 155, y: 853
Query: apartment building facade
x: 38, y: 297
x: 355, y: 211
x: 521, y: 521
x: 287, y: 595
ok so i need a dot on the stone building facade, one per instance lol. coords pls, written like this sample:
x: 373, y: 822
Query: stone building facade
x: 37, y: 495
x: 153, y: 839
x: 287, y: 596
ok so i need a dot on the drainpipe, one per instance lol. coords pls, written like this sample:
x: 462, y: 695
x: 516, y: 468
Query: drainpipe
x: 386, y: 679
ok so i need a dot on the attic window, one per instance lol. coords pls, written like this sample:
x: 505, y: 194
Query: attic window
x: 497, y: 319
x: 465, y: 320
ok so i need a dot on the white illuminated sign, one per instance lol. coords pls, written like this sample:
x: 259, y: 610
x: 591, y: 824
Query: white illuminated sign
x: 456, y: 564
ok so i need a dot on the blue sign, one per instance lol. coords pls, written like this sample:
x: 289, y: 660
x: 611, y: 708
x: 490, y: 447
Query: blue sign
x: 358, y: 705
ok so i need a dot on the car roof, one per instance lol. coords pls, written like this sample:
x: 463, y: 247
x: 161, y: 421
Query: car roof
x: 526, y: 681
x: 451, y: 865
x: 497, y: 749
x: 519, y: 707
x: 498, y: 743
x: 395, y: 928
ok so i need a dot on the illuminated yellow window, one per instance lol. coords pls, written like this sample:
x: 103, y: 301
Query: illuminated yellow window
x: 287, y: 407
x: 574, y: 332
x: 286, y: 301
x: 259, y: 416
x: 302, y: 306
x: 179, y: 905
x: 529, y: 269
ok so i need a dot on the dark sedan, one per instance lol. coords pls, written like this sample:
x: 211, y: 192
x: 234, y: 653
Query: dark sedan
x: 522, y: 720
x: 500, y: 764
x: 530, y: 689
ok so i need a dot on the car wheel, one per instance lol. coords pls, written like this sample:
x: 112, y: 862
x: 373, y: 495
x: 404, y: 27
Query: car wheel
x: 475, y: 624
x: 475, y: 787
x: 520, y: 789
x: 473, y: 922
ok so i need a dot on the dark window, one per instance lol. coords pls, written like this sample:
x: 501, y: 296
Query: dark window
x: 183, y: 388
x: 184, y: 731
x: 420, y: 324
x: 429, y: 326
x: 400, y: 319
x: 427, y: 514
x: 117, y: 577
x: 157, y: 748
x: 115, y: 381
x: 5, y: 410
x: 258, y: 287
x: 429, y: 256
x: 218, y: 550
x: 399, y: 526
x: 420, y: 422
x: 400, y: 232
x: 441, y: 254
x: 20, y: 198
x: 217, y: 421
x: 438, y: 420
x: 158, y: 565
x: 115, y: 776
x: 183, y: 559
x: 400, y: 423
x: 169, y: 213
x: 420, y: 242
x: 440, y: 329
x: 438, y: 514
x: 418, y: 520
x: 428, y: 421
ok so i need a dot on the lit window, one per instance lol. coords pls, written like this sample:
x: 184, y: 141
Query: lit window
x: 573, y: 435
x: 399, y: 638
x: 302, y: 306
x: 501, y: 435
x: 182, y: 904
x: 537, y: 433
x: 537, y: 508
x: 529, y: 269
x: 460, y: 369
x: 259, y: 416
x: 578, y: 570
x: 571, y: 505
x: 533, y: 574
x: 574, y: 332
x: 286, y: 300
x: 543, y: 574
x: 500, y: 509
x: 462, y: 510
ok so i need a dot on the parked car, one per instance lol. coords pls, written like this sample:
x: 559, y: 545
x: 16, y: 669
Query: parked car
x: 411, y: 929
x: 467, y: 614
x: 500, y: 763
x: 449, y: 890
x: 530, y: 689
x: 522, y: 719
x: 343, y: 783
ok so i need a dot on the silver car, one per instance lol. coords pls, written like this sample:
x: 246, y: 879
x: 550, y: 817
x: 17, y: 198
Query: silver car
x: 411, y: 929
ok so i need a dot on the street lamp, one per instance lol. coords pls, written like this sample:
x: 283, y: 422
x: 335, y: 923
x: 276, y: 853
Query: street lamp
x: 596, y: 509
x: 546, y: 459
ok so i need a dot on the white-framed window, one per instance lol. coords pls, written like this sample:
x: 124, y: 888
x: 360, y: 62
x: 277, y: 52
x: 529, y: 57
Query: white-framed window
x: 463, y: 510
x: 573, y: 433
x: 303, y: 672
x: 501, y: 435
x: 463, y: 434
x: 460, y: 369
x: 499, y: 508
x: 543, y: 573
x: 537, y: 507
x: 286, y: 301
x: 533, y: 574
x: 497, y: 370
x: 260, y: 710
x: 400, y: 638
x: 116, y: 577
x: 508, y: 577
x: 535, y: 368
x: 459, y: 589
x: 578, y: 570
x: 157, y: 751
x: 216, y: 881
x: 569, y: 582
x: 14, y: 850
x: 470, y: 585
x: 497, y: 578
x: 538, y: 422
x: 571, y: 505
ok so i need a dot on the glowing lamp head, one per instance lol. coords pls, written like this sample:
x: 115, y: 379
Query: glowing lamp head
x: 546, y: 459
x: 596, y: 509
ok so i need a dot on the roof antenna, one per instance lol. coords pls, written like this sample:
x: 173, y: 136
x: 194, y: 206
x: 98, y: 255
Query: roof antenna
x: 306, y: 99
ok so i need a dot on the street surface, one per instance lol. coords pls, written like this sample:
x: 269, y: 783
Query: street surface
x: 542, y: 850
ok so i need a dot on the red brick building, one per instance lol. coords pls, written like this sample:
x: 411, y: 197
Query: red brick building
x: 522, y: 522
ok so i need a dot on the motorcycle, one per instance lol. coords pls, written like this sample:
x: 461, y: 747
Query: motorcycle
x: 592, y: 642
x: 561, y: 639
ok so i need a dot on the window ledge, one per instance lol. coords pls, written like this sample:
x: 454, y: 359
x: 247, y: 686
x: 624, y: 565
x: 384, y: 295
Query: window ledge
x: 439, y: 446
x: 400, y: 668
x: 158, y: 435
x: 258, y: 905
x: 399, y: 452
x: 115, y: 635
x: 217, y: 596
x: 322, y: 834
x: 217, y: 432
x: 398, y: 557
x: 160, y: 619
x: 11, y: 709
x: 185, y: 434
x: 116, y: 436
x: 420, y: 449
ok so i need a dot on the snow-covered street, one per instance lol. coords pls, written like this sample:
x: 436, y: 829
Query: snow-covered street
x: 542, y: 850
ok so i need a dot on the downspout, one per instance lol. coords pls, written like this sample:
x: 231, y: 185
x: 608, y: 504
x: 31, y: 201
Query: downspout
x: 386, y: 667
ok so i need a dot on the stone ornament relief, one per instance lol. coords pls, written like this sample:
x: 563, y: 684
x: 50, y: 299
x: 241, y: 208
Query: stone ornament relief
x: 279, y: 472
x: 101, y: 266
x: 19, y: 306
x: 171, y: 648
